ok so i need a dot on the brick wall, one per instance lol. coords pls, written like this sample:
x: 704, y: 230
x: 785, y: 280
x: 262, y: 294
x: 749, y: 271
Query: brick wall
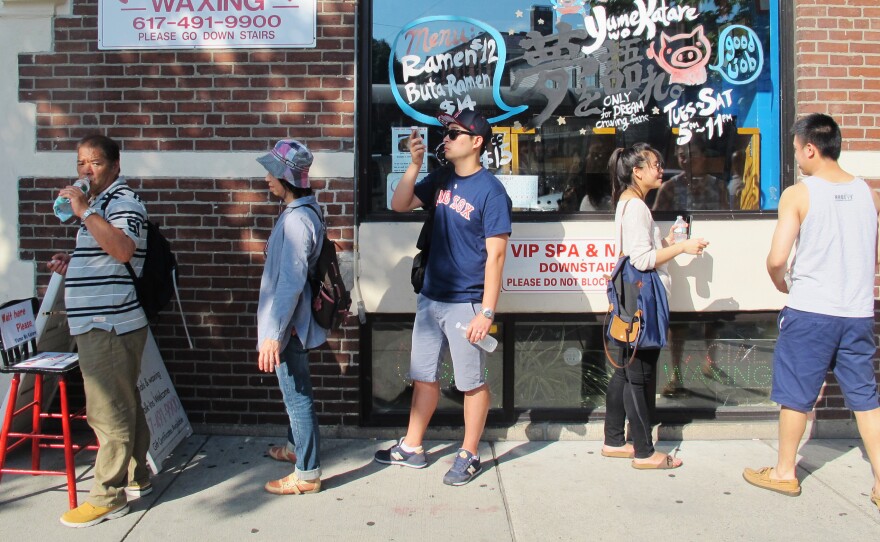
x: 181, y: 100
x: 218, y: 230
x: 838, y: 66
x: 205, y: 101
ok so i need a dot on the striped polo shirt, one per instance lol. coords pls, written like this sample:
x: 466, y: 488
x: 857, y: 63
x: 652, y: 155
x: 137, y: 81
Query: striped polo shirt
x: 98, y: 290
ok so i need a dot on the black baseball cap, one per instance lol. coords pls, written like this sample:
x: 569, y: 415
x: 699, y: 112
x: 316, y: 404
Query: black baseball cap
x: 473, y: 121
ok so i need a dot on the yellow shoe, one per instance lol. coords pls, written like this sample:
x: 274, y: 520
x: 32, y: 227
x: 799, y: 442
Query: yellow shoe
x: 87, y: 514
x: 291, y: 485
x: 761, y: 478
x: 136, y: 490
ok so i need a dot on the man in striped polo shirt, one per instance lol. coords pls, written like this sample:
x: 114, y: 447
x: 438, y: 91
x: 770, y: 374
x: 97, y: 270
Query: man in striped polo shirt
x: 109, y: 326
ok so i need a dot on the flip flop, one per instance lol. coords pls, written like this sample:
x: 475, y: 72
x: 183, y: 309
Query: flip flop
x: 663, y: 465
x: 875, y: 498
x: 622, y: 454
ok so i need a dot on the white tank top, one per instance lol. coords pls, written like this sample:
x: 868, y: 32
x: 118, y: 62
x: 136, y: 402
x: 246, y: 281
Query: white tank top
x: 833, y: 268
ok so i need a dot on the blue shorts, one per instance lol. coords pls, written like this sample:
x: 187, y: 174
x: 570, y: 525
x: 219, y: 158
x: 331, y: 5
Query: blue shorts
x: 809, y: 345
x: 434, y: 332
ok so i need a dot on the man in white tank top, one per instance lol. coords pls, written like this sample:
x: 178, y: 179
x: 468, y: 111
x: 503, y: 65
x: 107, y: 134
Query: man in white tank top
x: 828, y: 320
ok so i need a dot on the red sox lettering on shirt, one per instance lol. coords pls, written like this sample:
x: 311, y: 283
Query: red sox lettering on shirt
x: 458, y: 204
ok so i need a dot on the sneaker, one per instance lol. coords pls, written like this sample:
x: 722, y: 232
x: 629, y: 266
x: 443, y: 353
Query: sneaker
x: 397, y: 456
x: 86, y: 514
x: 138, y: 489
x: 291, y: 485
x: 465, y: 468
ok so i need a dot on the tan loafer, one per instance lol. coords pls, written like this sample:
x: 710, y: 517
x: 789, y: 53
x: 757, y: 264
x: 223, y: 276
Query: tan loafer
x: 291, y: 485
x: 761, y: 478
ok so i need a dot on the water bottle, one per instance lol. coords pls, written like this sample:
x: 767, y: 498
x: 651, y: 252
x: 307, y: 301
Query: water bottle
x: 487, y: 343
x: 62, y: 207
x: 679, y: 230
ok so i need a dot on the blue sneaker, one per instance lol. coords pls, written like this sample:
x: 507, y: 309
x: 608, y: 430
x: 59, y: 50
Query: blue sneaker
x: 465, y: 469
x: 397, y: 456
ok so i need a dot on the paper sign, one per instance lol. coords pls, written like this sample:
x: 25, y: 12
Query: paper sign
x: 206, y: 24
x: 391, y: 185
x: 558, y: 265
x: 400, y: 156
x: 522, y: 189
x: 17, y: 324
x: 49, y: 360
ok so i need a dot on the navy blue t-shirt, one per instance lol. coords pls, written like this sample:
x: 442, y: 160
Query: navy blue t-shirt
x: 469, y: 209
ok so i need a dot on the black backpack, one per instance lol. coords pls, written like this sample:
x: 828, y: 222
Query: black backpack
x: 158, y: 281
x: 330, y: 298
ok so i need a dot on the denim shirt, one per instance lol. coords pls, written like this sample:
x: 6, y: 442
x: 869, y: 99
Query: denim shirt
x: 285, y: 295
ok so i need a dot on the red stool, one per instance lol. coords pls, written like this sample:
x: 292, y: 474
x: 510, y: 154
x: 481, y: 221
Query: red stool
x: 19, y: 355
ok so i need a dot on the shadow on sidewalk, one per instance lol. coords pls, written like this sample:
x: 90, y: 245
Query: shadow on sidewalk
x: 816, y: 453
x: 337, y: 480
x: 16, y: 489
x: 521, y: 450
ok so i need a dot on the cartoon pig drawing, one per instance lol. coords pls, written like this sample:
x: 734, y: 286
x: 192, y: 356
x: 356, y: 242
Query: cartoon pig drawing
x: 565, y: 7
x: 683, y: 56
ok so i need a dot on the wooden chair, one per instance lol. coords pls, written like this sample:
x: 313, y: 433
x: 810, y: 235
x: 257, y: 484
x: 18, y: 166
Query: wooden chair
x: 19, y: 353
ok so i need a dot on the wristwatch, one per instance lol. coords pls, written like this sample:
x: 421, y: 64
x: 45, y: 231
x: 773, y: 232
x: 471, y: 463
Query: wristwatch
x: 488, y: 313
x: 88, y: 213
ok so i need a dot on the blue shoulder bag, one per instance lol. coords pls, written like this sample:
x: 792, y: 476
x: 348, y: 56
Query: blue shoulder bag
x: 638, y: 311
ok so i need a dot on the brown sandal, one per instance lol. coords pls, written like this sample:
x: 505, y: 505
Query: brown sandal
x: 669, y: 463
x: 875, y: 498
x: 621, y: 454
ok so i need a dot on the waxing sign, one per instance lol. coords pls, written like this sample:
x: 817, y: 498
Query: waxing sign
x: 206, y: 24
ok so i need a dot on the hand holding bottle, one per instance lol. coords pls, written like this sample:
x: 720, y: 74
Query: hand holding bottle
x: 487, y: 343
x: 679, y: 230
x: 72, y: 200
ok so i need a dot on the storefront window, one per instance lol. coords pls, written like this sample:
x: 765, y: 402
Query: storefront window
x: 559, y: 365
x: 716, y: 364
x: 708, y: 364
x: 392, y: 387
x: 712, y: 363
x: 564, y: 82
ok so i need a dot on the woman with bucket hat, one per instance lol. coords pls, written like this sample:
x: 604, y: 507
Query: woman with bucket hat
x: 285, y: 327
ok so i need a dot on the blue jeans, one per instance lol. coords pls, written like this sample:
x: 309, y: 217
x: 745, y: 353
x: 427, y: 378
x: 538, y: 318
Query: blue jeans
x: 296, y: 387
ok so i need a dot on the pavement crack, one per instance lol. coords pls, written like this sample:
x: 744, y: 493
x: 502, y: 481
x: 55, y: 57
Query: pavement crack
x: 503, y: 493
x: 159, y: 494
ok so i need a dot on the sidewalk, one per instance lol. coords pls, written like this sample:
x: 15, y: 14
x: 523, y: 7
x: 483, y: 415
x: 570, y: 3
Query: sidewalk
x: 211, y: 489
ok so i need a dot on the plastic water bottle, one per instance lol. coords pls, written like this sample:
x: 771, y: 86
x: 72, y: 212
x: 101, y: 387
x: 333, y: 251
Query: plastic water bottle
x: 62, y: 207
x: 487, y: 343
x: 679, y: 230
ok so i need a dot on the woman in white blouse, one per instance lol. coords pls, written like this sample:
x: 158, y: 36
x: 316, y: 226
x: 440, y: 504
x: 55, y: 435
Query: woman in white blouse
x: 635, y: 171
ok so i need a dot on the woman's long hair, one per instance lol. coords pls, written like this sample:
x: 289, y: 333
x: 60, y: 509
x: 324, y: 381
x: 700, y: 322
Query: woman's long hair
x: 621, y: 165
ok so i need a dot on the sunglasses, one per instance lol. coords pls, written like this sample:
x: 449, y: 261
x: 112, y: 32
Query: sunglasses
x: 453, y: 134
